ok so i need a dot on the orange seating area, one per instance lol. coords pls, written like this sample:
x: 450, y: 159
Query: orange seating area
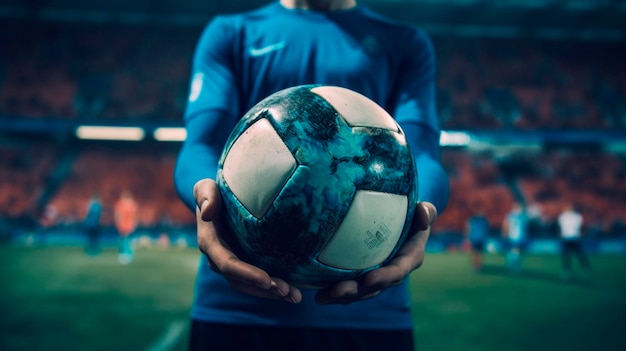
x: 526, y: 84
x: 593, y: 181
x: 474, y: 184
x: 108, y: 171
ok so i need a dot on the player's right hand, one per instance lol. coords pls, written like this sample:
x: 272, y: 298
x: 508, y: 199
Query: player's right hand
x: 213, y: 242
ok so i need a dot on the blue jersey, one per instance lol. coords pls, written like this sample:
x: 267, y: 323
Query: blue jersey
x: 478, y: 229
x: 94, y: 209
x: 243, y: 58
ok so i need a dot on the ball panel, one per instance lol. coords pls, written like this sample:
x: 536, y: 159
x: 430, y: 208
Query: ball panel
x: 298, y: 223
x: 389, y: 164
x: 356, y: 109
x: 302, y: 115
x: 257, y: 166
x: 369, y: 232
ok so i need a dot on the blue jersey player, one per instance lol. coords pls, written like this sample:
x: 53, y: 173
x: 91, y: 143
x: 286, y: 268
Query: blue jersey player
x: 243, y: 58
x: 477, y: 233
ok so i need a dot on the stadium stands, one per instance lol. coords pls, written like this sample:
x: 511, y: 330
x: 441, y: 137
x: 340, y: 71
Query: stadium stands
x: 97, y: 72
x: 109, y: 170
x: 531, y: 84
x: 121, y: 72
x: 592, y: 180
x: 94, y: 71
x: 24, y: 170
x: 475, y: 182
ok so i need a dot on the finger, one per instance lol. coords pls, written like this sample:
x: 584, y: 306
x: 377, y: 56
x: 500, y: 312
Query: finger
x: 411, y: 254
x: 345, y: 293
x: 201, y: 191
x: 223, y: 260
x: 208, y: 199
x: 279, y: 290
x: 288, y: 292
x: 342, y: 292
x: 409, y: 257
x: 242, y: 276
x: 391, y: 274
x: 231, y: 267
x: 369, y: 296
x: 425, y: 215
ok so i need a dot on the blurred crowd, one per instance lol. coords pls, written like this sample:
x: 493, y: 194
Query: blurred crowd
x: 91, y: 72
x: 140, y: 72
x: 531, y: 84
x: 102, y: 72
x: 545, y: 182
x: 38, y: 178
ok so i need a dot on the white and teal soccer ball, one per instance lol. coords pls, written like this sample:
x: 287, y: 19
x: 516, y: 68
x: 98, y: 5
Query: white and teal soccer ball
x: 319, y: 185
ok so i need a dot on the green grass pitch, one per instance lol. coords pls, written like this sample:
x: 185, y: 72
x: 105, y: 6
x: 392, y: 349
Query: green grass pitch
x: 62, y: 299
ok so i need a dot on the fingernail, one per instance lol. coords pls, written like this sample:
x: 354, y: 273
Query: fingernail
x: 275, y: 289
x: 203, y: 205
x: 432, y: 213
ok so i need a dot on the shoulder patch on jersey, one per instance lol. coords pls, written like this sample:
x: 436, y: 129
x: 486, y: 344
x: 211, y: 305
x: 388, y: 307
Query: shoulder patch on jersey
x: 196, y: 86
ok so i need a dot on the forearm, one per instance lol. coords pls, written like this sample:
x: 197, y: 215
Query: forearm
x: 433, y: 182
x: 195, y: 162
x: 199, y: 155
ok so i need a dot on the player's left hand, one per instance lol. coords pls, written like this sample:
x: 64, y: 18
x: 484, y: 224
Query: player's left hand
x: 409, y: 258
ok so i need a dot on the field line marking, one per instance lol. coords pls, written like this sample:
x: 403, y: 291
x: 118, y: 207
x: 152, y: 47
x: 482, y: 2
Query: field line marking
x: 168, y: 339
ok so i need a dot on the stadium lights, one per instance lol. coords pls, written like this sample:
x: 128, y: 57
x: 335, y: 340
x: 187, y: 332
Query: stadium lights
x: 170, y: 134
x: 450, y: 138
x: 110, y: 133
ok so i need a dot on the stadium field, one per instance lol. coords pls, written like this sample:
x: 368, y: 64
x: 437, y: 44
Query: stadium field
x: 58, y: 298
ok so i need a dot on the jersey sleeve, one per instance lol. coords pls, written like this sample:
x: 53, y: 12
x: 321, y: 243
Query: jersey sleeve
x: 212, y: 79
x: 210, y: 110
x: 415, y: 111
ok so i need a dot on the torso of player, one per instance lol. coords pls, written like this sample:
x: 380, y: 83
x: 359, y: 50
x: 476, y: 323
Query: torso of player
x: 570, y: 223
x: 126, y: 216
x: 273, y: 49
x: 517, y: 227
x: 478, y: 228
x: 314, y: 50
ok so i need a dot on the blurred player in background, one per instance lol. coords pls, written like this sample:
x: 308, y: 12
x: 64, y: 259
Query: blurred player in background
x: 243, y: 58
x: 514, y: 230
x: 47, y: 221
x: 477, y: 230
x: 91, y: 224
x: 126, y: 217
x: 570, y: 225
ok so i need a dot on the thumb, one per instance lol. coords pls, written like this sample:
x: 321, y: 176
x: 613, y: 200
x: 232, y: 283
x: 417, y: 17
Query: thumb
x: 208, y: 199
x: 425, y: 215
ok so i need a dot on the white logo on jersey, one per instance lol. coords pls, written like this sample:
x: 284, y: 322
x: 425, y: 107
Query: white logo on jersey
x: 256, y: 52
x: 196, y: 86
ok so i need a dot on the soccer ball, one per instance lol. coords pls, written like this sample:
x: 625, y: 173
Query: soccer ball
x: 319, y: 185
